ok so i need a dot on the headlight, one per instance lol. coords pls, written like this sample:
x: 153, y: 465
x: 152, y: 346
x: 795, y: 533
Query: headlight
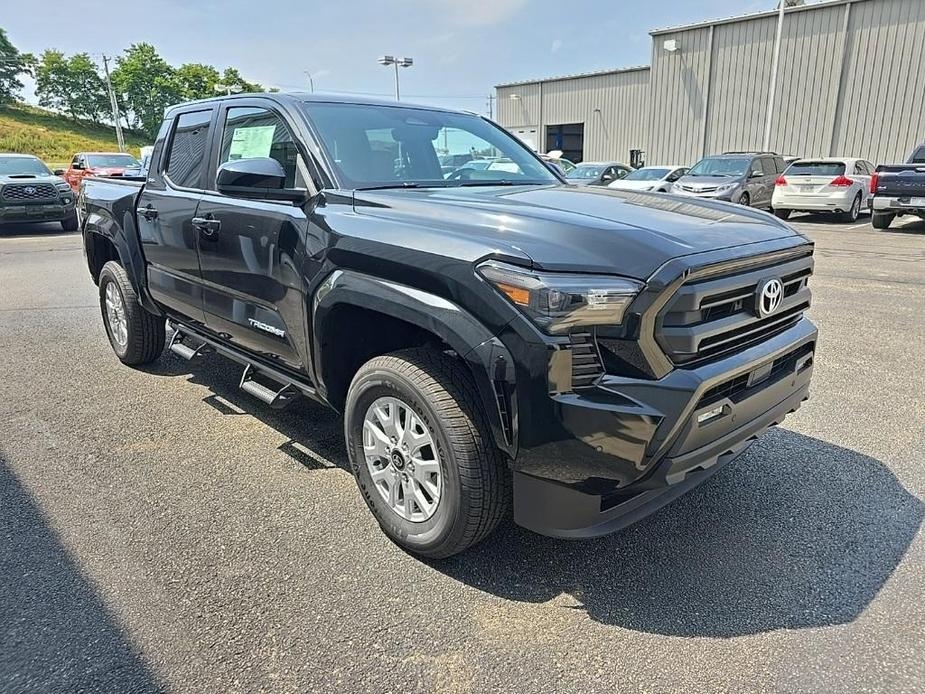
x: 726, y: 187
x: 559, y: 302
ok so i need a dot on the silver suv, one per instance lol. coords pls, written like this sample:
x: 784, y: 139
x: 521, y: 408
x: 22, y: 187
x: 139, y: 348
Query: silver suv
x: 746, y: 178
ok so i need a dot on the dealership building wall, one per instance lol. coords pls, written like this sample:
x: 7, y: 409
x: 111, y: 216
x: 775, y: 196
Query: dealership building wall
x: 850, y: 81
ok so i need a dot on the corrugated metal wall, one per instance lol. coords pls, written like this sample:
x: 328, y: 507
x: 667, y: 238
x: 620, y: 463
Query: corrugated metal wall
x: 613, y: 108
x: 850, y: 82
x: 678, y: 98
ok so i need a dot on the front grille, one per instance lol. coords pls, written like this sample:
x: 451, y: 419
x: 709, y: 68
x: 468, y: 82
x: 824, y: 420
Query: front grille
x: 714, y: 314
x: 586, y: 362
x: 737, y: 388
x: 29, y: 191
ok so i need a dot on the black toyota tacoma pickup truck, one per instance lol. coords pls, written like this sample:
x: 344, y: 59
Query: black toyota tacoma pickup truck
x: 897, y: 190
x: 30, y: 193
x: 492, y: 336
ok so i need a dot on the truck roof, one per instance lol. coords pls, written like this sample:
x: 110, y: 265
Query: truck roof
x: 294, y: 98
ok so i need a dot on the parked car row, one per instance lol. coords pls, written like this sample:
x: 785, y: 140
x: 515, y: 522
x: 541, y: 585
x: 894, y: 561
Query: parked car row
x: 839, y: 185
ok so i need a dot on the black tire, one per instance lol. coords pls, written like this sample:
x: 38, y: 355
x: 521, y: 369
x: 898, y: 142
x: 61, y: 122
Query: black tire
x: 146, y: 332
x: 476, y: 481
x: 70, y: 223
x: 745, y: 199
x: 855, y: 211
x: 782, y: 214
x: 882, y: 220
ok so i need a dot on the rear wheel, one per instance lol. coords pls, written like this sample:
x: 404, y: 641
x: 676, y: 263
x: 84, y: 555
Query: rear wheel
x: 136, y: 336
x: 854, y: 212
x: 745, y: 199
x: 782, y: 214
x: 882, y: 220
x: 422, y: 452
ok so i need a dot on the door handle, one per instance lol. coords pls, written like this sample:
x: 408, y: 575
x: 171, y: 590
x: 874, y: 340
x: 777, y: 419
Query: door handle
x: 208, y: 226
x: 148, y: 212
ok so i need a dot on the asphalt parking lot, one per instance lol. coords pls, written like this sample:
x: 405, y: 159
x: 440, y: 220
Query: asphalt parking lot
x: 161, y: 531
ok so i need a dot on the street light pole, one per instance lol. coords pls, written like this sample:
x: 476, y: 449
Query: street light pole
x: 387, y: 60
x: 773, y: 87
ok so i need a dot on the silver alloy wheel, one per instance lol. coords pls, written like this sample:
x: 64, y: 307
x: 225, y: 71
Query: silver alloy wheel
x: 115, y: 314
x: 856, y: 208
x: 401, y: 457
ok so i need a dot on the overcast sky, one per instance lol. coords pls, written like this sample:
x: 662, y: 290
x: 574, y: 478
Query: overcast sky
x: 461, y: 48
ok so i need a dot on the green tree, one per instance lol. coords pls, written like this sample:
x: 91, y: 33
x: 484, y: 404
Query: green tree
x: 232, y: 78
x: 72, y: 85
x: 12, y: 65
x: 147, y: 85
x: 196, y: 81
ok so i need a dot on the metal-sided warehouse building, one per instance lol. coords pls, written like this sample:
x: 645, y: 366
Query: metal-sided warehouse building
x: 850, y: 81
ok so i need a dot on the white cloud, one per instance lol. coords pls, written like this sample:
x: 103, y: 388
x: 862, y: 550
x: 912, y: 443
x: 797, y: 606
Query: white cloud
x: 479, y: 13
x: 556, y: 45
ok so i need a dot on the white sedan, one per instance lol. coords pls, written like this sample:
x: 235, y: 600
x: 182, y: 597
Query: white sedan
x: 654, y: 178
x: 839, y: 185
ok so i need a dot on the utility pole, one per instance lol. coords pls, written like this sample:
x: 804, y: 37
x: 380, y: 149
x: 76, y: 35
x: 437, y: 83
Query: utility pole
x: 115, y: 105
x: 774, y: 63
x: 491, y: 106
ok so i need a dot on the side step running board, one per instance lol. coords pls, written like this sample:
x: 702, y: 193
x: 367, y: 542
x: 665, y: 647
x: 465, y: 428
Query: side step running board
x: 277, y: 399
x: 182, y: 350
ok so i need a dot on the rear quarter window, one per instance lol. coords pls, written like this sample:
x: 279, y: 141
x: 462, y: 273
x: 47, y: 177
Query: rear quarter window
x: 918, y: 157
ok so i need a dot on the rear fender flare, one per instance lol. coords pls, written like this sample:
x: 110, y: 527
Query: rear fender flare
x: 488, y: 360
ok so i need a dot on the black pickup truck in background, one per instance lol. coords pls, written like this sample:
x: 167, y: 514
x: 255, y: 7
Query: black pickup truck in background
x: 492, y: 336
x: 897, y: 190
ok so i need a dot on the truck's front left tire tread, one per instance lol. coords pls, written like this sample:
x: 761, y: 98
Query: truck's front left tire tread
x: 146, y: 332
x: 479, y: 481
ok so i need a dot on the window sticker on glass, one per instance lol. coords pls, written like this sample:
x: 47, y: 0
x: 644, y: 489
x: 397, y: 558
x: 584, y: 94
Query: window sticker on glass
x: 250, y: 142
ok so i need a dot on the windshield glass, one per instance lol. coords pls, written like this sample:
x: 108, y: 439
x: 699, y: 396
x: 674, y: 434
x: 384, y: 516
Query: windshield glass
x: 646, y: 174
x: 585, y: 171
x: 389, y: 146
x: 10, y: 166
x: 108, y: 161
x: 720, y: 166
x: 816, y: 168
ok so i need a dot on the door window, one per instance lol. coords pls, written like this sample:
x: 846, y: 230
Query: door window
x: 756, y: 168
x: 919, y: 156
x: 859, y: 168
x: 187, y: 155
x: 252, y: 132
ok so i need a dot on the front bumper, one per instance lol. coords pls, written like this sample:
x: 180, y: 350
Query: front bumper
x: 45, y: 212
x: 637, y: 444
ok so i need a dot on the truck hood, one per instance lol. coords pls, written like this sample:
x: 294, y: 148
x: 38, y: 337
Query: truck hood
x: 566, y: 228
x: 30, y: 178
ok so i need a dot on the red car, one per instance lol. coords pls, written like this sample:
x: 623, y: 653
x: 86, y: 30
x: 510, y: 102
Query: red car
x: 97, y: 164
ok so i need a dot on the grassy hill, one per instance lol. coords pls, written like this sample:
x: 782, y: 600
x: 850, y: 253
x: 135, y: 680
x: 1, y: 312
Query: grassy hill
x: 55, y: 138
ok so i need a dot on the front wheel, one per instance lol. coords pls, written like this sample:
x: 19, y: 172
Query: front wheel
x: 422, y: 453
x: 136, y: 336
x: 745, y: 199
x: 70, y: 223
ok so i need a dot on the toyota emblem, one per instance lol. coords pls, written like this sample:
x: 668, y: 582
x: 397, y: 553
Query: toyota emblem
x: 29, y: 190
x: 768, y: 297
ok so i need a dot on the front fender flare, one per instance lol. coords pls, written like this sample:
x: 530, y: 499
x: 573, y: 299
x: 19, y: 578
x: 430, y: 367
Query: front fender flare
x: 488, y: 360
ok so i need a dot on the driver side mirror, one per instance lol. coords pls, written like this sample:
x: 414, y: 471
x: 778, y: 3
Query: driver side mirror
x: 755, y: 174
x: 58, y: 172
x: 259, y: 178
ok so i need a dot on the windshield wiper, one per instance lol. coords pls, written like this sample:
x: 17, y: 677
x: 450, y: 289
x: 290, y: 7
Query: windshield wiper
x: 403, y: 184
x: 502, y: 182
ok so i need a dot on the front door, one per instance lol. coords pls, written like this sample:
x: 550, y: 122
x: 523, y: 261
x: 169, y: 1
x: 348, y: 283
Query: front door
x: 252, y: 255
x: 165, y: 214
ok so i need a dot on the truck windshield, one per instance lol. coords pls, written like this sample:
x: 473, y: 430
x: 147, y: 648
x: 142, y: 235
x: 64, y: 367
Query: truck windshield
x: 397, y: 147
x: 11, y: 166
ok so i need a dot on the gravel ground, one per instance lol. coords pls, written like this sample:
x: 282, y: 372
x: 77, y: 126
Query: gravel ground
x: 161, y: 531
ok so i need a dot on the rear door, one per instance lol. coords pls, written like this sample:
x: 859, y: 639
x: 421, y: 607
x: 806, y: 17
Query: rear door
x: 166, y: 208
x: 252, y: 259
